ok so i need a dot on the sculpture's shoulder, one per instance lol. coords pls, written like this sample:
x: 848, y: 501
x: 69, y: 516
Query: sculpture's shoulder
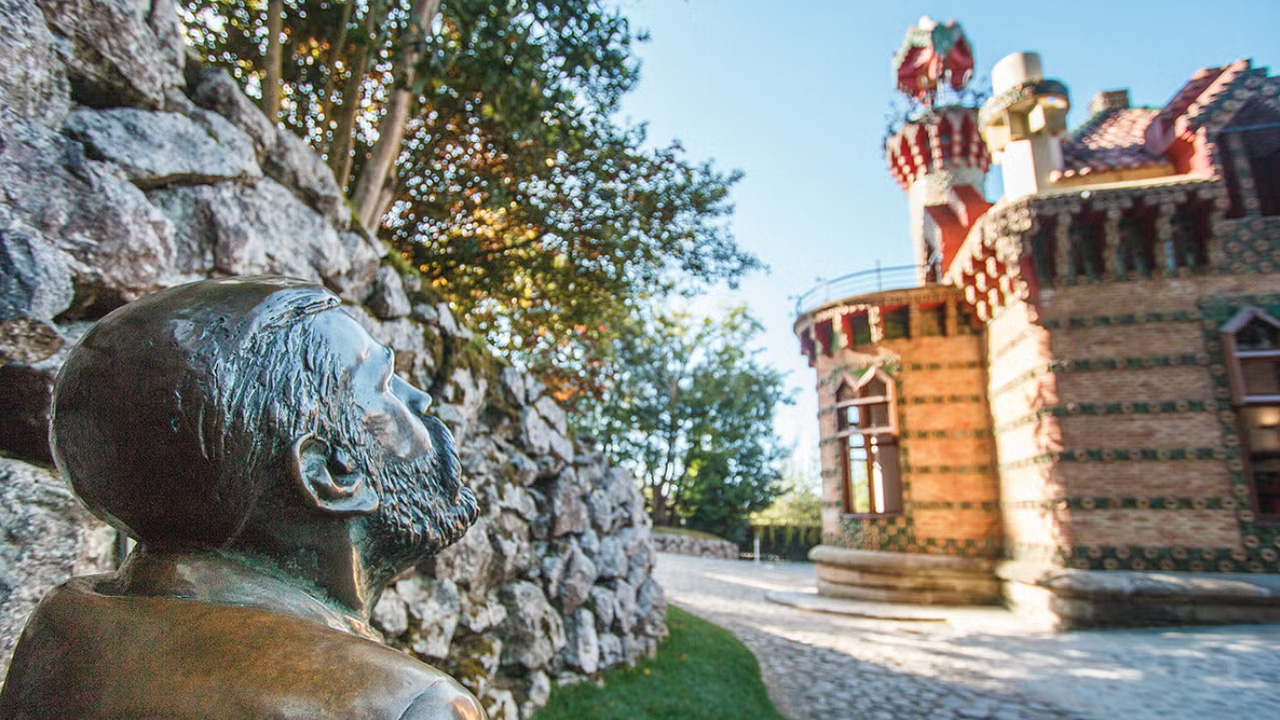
x: 89, y: 655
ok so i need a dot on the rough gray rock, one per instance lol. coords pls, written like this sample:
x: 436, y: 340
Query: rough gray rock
x: 612, y: 558
x: 118, y: 246
x: 35, y: 280
x: 390, y: 614
x: 261, y: 229
x: 216, y: 90
x: 469, y: 559
x: 562, y: 447
x: 535, y: 432
x: 388, y: 300
x: 651, y: 606
x: 291, y: 162
x: 481, y: 614
x: 610, y: 650
x: 163, y: 148
x: 513, y: 382
x: 568, y: 511
x: 604, y: 606
x: 702, y: 547
x: 33, y: 80
x: 553, y: 414
x: 35, y: 285
x: 435, y: 603
x: 113, y: 55
x: 45, y: 537
x: 513, y: 551
x: 534, y: 630
x: 625, y: 595
x: 582, y: 643
x: 575, y: 585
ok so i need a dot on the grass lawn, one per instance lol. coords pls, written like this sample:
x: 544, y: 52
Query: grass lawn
x: 702, y: 672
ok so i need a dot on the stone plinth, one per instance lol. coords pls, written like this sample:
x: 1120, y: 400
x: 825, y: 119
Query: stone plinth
x: 1099, y: 598
x: 905, y: 577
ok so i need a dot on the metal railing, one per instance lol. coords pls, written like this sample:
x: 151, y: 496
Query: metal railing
x: 876, y: 279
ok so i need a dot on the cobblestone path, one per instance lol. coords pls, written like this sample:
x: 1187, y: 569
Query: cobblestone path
x: 983, y: 663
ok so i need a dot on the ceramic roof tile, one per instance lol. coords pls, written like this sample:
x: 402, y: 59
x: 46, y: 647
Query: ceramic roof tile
x: 1111, y: 140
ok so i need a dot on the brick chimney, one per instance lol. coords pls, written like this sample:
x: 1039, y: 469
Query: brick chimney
x: 1109, y: 100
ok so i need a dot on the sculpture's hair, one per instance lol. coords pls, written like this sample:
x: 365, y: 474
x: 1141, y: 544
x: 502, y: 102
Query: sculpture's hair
x: 172, y: 415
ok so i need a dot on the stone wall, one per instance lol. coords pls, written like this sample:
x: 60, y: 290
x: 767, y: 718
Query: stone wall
x: 696, y: 546
x: 126, y: 168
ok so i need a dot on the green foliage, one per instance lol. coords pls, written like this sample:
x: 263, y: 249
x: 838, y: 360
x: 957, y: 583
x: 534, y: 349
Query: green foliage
x: 516, y: 192
x: 702, y: 672
x: 799, y: 504
x: 689, y: 407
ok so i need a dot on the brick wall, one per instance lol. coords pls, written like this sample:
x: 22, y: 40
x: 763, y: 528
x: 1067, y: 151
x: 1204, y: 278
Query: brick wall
x: 950, y: 491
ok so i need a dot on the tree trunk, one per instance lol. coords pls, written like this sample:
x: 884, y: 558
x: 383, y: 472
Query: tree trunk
x: 344, y: 133
x: 365, y: 195
x: 274, y: 62
x: 337, y: 48
x: 390, y: 189
x: 659, y: 510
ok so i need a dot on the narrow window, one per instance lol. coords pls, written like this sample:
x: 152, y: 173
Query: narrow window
x: 1044, y: 251
x: 1086, y: 246
x: 869, y: 446
x: 1136, y: 252
x: 1185, y: 246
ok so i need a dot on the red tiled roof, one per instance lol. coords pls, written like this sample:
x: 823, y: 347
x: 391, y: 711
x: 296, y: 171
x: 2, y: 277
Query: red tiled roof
x: 1180, y: 114
x: 1111, y: 140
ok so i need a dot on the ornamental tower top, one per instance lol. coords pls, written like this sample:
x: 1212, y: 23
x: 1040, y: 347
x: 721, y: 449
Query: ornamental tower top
x: 937, y: 154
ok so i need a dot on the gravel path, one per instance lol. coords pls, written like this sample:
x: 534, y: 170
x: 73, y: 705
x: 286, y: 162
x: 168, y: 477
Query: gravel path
x: 982, y: 663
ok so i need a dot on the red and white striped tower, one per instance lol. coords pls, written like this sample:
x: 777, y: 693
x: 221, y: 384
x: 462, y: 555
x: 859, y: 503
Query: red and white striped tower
x: 938, y: 149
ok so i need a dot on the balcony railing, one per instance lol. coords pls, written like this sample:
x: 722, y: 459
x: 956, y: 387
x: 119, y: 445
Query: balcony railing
x: 876, y: 279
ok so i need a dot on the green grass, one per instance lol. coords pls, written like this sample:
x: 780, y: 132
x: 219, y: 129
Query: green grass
x: 702, y: 672
x: 668, y: 530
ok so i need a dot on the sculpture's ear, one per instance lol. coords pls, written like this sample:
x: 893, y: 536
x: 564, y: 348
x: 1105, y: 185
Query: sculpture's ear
x: 328, y: 480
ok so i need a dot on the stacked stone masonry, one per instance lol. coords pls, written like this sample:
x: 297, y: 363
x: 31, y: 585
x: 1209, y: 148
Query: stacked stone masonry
x: 695, y: 546
x: 126, y: 169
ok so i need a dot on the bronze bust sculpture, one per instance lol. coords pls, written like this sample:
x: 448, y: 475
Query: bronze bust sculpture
x: 276, y: 474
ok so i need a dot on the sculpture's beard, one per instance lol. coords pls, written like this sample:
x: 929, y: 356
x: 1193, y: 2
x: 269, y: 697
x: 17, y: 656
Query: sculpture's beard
x: 423, y: 505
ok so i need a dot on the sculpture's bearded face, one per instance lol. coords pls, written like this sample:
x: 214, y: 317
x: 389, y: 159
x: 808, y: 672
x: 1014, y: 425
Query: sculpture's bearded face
x: 406, y: 455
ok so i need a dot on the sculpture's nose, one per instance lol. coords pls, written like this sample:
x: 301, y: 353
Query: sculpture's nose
x: 416, y: 400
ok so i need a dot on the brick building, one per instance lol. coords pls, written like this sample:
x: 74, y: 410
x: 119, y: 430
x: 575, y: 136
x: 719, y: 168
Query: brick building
x: 1075, y: 405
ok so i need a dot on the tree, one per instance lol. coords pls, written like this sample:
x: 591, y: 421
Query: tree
x: 689, y: 407
x: 514, y: 191
x: 800, y: 503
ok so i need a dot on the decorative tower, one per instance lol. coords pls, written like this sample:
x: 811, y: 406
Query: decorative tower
x: 1024, y: 123
x: 937, y: 154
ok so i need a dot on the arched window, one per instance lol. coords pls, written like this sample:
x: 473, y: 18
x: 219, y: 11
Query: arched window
x: 866, y: 428
x: 1252, y: 342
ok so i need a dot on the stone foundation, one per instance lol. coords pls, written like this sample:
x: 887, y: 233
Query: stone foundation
x: 1097, y: 598
x: 905, y: 577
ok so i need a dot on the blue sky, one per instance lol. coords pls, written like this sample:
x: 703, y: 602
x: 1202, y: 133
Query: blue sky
x: 795, y: 95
